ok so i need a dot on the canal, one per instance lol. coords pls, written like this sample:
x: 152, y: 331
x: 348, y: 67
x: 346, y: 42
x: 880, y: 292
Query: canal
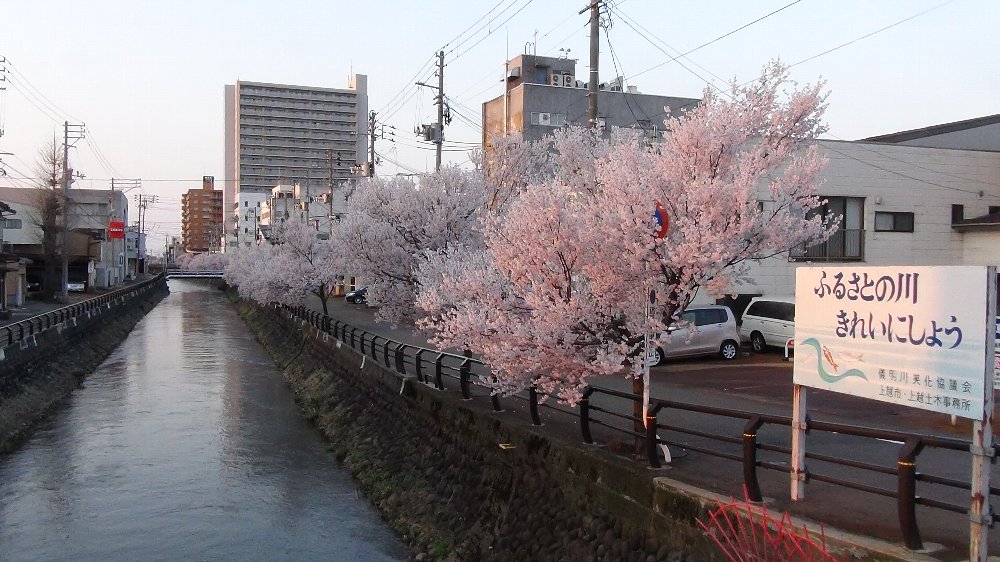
x: 185, y: 444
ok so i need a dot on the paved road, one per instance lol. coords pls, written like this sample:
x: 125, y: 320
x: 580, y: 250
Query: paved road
x: 763, y: 383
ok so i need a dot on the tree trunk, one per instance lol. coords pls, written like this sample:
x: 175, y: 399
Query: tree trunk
x: 324, y: 296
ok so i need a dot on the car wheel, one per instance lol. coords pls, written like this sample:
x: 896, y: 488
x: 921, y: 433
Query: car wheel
x: 757, y: 342
x: 728, y: 350
x: 660, y: 356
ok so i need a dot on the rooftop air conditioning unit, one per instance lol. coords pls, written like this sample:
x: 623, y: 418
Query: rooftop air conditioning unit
x: 544, y: 118
x: 555, y: 79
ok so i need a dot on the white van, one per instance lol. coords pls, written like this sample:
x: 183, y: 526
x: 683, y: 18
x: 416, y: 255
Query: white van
x: 768, y: 321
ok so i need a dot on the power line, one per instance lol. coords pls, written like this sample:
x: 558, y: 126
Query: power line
x: 56, y: 110
x: 512, y: 2
x: 621, y: 72
x: 407, y: 85
x: 883, y: 168
x: 512, y: 16
x: 890, y: 26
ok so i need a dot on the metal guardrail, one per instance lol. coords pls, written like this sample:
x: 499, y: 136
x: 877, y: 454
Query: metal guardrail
x: 433, y: 367
x: 19, y: 331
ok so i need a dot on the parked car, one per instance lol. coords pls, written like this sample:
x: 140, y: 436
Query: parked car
x: 357, y: 296
x: 768, y: 321
x: 76, y: 286
x: 34, y: 284
x: 708, y: 330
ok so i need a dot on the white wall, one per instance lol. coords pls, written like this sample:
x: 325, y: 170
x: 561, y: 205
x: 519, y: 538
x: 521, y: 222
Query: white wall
x: 924, y: 181
x: 981, y: 248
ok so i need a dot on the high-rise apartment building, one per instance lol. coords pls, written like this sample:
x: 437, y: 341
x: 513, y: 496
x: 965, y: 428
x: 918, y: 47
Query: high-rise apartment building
x: 201, y: 217
x: 542, y: 94
x: 279, y: 134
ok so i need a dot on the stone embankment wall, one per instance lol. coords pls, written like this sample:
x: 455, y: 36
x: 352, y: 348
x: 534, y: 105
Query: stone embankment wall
x: 433, y: 465
x: 36, y: 374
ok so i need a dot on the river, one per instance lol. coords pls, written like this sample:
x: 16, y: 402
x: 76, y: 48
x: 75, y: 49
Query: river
x: 185, y: 444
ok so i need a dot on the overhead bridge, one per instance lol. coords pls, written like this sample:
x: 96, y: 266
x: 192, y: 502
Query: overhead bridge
x: 180, y: 274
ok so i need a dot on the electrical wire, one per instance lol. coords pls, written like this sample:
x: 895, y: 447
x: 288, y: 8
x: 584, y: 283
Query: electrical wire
x: 56, y: 110
x: 512, y: 2
x: 621, y: 73
x: 866, y: 36
x: 512, y: 16
x: 909, y: 177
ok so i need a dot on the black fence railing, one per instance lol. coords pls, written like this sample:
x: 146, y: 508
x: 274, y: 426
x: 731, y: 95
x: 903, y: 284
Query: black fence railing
x: 744, y: 445
x: 19, y: 331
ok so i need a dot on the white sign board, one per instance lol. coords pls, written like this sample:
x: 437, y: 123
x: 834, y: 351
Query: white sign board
x: 914, y: 336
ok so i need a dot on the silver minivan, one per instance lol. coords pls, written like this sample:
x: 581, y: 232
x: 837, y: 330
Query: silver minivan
x: 707, y: 330
x: 768, y: 321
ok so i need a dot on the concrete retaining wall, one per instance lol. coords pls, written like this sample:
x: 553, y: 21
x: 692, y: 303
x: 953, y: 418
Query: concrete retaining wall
x: 37, y: 373
x: 458, y: 483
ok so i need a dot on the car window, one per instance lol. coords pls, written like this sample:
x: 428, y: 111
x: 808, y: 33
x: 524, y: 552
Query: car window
x: 708, y: 316
x: 764, y: 309
x: 786, y: 311
x: 689, y: 317
x: 702, y: 317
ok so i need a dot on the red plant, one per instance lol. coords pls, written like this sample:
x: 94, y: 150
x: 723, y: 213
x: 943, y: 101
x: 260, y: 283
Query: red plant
x: 746, y: 532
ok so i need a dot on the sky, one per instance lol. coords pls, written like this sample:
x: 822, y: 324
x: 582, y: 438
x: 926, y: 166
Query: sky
x: 147, y: 77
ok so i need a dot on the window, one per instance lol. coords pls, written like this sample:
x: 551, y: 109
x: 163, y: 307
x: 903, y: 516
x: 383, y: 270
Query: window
x: 847, y: 243
x: 548, y: 119
x: 893, y: 222
x: 10, y: 224
x: 708, y: 316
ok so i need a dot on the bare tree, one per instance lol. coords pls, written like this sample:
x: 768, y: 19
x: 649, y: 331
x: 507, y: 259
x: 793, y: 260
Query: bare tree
x: 48, y: 209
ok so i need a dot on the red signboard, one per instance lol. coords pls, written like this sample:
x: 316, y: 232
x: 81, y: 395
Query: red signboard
x: 116, y: 230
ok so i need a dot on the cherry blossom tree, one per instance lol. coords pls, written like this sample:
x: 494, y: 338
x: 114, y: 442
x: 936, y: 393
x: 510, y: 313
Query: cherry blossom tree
x: 391, y: 223
x: 559, y: 290
x: 202, y: 262
x: 297, y: 264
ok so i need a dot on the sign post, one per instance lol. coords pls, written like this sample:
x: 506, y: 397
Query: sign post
x: 980, y: 515
x: 918, y: 336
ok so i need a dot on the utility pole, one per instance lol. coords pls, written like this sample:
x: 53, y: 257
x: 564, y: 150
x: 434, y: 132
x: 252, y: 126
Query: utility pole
x: 329, y: 156
x: 76, y: 131
x: 371, y: 144
x: 308, y: 181
x: 595, y: 52
x: 143, y: 202
x: 435, y: 133
x: 439, y: 139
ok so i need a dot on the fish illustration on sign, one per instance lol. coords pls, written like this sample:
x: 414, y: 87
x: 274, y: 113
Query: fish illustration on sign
x: 829, y: 358
x: 821, y: 353
x: 852, y: 357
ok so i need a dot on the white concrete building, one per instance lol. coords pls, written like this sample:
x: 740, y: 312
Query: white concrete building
x: 247, y: 219
x: 277, y: 133
x: 903, y: 204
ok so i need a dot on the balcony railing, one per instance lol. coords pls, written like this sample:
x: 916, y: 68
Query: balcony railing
x: 843, y: 245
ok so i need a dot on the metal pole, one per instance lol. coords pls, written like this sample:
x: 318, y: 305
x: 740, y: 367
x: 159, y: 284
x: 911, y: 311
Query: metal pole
x: 799, y: 428
x: 329, y: 220
x: 64, y: 292
x: 982, y: 448
x: 439, y: 137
